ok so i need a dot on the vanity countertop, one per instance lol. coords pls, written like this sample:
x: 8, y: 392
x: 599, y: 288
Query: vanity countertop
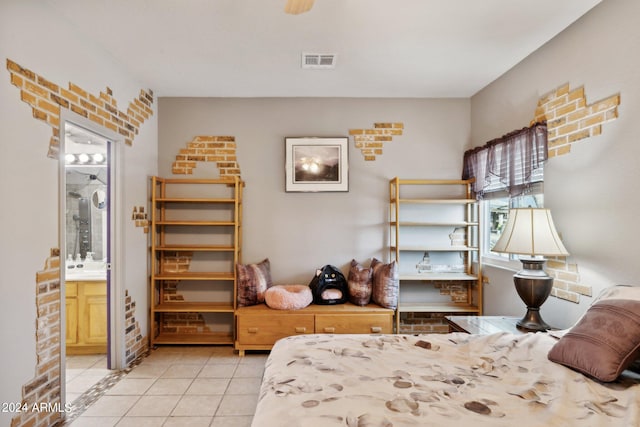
x: 85, y: 275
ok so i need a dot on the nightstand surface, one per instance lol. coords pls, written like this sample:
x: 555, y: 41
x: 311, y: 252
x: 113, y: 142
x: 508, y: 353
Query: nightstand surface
x: 483, y: 325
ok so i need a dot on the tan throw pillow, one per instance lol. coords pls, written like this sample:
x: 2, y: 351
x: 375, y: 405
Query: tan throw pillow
x: 385, y: 284
x: 253, y: 281
x: 360, y: 284
x: 604, y: 342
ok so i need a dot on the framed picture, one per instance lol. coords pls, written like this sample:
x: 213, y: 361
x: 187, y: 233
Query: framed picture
x: 317, y: 164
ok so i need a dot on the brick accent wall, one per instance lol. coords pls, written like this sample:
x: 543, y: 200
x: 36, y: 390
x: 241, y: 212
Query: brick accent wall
x: 370, y: 141
x: 424, y: 323
x: 44, y: 388
x: 140, y: 218
x: 179, y: 322
x: 566, y: 280
x: 136, y: 344
x: 219, y: 149
x: 47, y: 98
x: 570, y: 119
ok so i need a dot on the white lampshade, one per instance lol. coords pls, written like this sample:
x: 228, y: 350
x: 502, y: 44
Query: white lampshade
x: 530, y: 231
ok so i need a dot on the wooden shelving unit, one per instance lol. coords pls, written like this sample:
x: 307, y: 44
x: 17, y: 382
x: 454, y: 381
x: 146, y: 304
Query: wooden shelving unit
x: 423, y: 215
x: 195, y: 245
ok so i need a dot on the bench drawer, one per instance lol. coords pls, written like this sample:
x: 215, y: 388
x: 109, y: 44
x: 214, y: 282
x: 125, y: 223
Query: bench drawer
x: 267, y: 329
x: 354, y: 323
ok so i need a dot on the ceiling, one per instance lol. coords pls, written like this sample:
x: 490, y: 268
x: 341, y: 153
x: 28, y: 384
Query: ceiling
x: 384, y: 48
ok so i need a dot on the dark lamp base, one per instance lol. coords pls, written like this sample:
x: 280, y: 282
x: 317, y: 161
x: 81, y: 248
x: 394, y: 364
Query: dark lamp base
x: 534, y: 287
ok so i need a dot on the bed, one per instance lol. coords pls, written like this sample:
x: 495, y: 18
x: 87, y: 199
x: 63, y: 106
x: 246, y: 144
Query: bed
x: 451, y: 379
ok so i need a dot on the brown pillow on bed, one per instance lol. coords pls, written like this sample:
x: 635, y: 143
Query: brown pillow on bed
x: 253, y: 281
x: 360, y: 283
x: 621, y: 292
x: 385, y: 283
x: 604, y: 342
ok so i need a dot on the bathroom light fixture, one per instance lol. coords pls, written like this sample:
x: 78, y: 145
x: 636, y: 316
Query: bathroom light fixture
x: 85, y: 159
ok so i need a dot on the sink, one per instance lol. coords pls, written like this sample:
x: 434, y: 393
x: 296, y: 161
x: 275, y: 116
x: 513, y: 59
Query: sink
x: 79, y: 274
x: 93, y: 266
x: 88, y: 270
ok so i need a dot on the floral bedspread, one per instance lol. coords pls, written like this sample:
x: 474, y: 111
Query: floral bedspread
x: 435, y: 380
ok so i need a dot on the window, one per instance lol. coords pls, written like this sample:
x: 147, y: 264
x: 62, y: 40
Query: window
x: 508, y: 173
x: 495, y: 214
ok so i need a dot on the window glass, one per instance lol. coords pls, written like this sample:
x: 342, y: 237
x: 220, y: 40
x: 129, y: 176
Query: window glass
x: 497, y: 213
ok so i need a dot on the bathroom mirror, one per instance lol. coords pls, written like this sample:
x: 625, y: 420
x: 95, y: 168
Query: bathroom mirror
x: 99, y: 199
x: 86, y: 185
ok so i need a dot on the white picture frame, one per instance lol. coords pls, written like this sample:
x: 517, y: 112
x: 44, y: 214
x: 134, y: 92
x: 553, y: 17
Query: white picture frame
x: 314, y: 164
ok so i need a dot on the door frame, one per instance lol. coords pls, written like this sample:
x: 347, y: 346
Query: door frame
x: 115, y: 297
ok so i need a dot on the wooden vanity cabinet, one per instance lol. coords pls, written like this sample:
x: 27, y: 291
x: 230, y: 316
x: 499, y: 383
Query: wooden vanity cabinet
x: 86, y: 317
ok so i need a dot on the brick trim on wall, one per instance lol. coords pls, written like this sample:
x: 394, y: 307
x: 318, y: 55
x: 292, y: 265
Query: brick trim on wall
x: 47, y: 98
x: 41, y: 396
x: 208, y: 148
x: 426, y: 323
x: 570, y: 119
x: 136, y: 344
x: 370, y: 141
x: 184, y: 323
x: 44, y: 388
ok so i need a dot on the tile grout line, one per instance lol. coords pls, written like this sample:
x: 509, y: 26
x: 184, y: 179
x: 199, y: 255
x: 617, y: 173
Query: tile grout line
x: 96, y: 391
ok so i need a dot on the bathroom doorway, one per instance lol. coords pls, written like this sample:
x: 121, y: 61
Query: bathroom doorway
x: 86, y: 177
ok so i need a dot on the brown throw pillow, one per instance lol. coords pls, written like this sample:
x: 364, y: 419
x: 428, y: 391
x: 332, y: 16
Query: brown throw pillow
x: 604, y: 342
x: 253, y: 281
x: 385, y: 284
x: 360, y: 285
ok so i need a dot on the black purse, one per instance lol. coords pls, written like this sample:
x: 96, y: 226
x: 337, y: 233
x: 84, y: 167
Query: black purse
x: 329, y: 286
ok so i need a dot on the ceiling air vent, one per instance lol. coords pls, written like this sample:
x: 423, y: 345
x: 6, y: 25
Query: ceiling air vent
x: 319, y: 60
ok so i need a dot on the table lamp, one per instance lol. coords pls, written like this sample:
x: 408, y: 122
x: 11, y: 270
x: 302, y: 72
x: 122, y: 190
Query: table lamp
x: 530, y: 232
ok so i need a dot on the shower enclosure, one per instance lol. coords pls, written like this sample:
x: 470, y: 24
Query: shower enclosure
x: 86, y: 216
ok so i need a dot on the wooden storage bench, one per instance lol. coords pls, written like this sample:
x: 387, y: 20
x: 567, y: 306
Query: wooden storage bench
x: 258, y: 327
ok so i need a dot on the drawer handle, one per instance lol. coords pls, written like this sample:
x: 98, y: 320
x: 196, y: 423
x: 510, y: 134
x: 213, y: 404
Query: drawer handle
x: 376, y: 329
x: 329, y: 330
x: 300, y: 329
x: 252, y: 330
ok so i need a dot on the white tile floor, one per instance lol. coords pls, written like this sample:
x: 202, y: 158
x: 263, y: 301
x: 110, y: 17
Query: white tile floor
x: 181, y: 386
x: 83, y: 371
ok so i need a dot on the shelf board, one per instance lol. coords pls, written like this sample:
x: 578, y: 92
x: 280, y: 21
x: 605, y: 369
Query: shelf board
x: 194, y: 200
x: 425, y: 248
x: 194, y: 276
x: 436, y: 201
x: 436, y: 308
x: 433, y: 181
x: 438, y: 276
x: 434, y: 224
x: 193, y: 307
x: 195, y: 248
x: 196, y: 338
x: 184, y: 222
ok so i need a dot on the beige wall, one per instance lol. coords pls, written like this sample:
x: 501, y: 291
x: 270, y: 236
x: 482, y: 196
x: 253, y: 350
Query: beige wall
x: 34, y: 37
x: 302, y: 231
x: 591, y: 190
